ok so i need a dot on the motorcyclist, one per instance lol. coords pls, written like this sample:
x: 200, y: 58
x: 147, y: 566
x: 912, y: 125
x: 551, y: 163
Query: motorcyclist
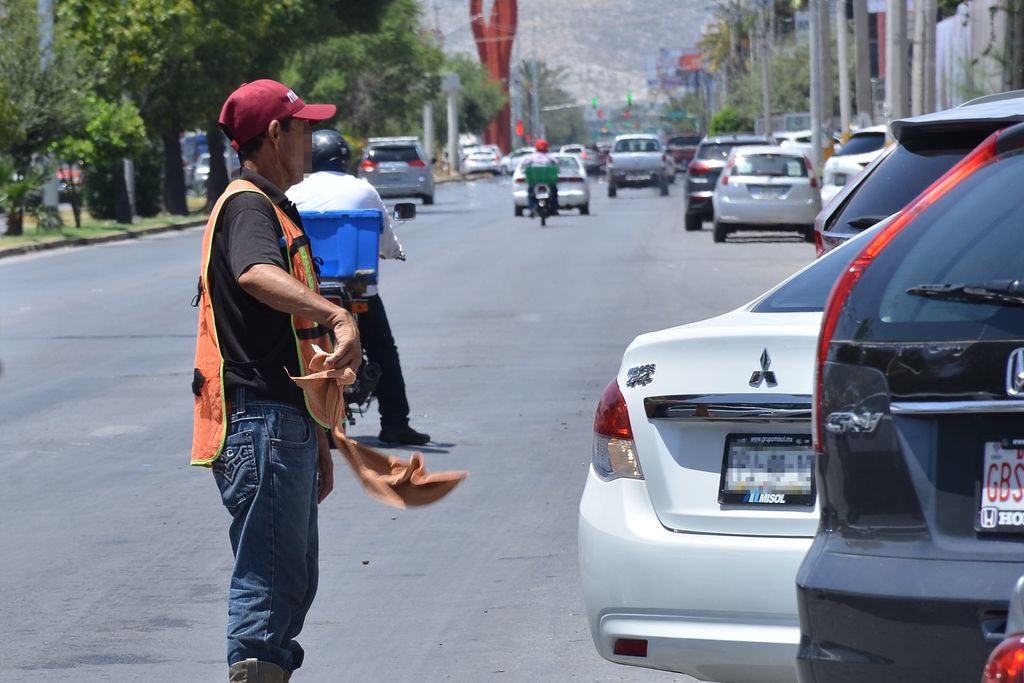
x: 541, y: 157
x: 331, y: 188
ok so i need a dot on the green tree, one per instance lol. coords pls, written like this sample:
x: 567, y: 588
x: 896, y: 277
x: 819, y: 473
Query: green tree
x: 378, y: 80
x: 480, y: 97
x: 729, y: 120
x: 40, y: 103
x: 790, y: 78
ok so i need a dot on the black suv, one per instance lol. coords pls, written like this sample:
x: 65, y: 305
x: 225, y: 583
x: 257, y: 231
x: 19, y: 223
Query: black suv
x: 926, y: 147
x: 703, y: 171
x: 919, y: 421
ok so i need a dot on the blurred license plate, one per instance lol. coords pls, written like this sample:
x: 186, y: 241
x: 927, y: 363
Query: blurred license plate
x: 1001, y: 508
x: 768, y: 191
x: 767, y: 469
x: 839, y: 179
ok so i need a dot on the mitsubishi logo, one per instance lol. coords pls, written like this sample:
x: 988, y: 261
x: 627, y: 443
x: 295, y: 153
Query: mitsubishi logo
x: 1015, y: 373
x: 767, y: 376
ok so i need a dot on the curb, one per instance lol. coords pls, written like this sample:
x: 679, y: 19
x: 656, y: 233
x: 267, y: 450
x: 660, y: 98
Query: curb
x: 86, y: 241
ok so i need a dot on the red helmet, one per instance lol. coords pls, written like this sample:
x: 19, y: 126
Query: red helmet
x: 541, y: 145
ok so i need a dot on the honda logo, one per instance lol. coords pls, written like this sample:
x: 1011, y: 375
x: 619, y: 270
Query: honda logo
x: 1015, y: 373
x: 764, y: 374
x: 989, y: 517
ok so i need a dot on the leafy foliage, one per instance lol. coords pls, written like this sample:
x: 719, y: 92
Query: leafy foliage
x: 729, y: 120
x: 479, y: 99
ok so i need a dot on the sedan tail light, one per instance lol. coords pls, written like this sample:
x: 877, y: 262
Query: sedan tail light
x: 418, y: 163
x: 614, y: 450
x: 725, y: 172
x: 810, y: 172
x: 1006, y: 663
x: 368, y: 165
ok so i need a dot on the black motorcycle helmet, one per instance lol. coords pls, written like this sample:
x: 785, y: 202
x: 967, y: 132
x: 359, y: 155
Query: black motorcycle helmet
x: 330, y: 151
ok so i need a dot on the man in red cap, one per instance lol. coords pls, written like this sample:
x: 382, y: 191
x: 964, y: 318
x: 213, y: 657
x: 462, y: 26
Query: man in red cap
x: 261, y: 319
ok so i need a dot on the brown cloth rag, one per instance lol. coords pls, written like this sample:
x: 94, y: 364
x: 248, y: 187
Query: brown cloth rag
x: 397, y: 482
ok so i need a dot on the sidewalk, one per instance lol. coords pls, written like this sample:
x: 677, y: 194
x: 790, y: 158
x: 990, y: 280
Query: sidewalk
x: 124, y: 233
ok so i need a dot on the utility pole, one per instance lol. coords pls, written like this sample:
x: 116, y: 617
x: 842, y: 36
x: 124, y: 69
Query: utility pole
x: 844, y: 71
x: 451, y: 85
x: 896, y: 59
x: 428, y: 128
x: 814, y: 11
x: 45, y: 10
x: 862, y: 48
x: 765, y: 56
x: 825, y: 51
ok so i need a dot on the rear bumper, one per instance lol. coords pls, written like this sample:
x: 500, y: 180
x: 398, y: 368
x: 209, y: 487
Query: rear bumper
x: 765, y: 212
x: 886, y: 619
x: 700, y: 203
x: 423, y: 185
x: 712, y: 606
x: 567, y: 197
x: 635, y: 178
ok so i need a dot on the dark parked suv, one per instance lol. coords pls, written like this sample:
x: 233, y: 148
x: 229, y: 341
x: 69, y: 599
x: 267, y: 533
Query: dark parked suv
x: 926, y: 147
x: 703, y: 171
x: 919, y: 434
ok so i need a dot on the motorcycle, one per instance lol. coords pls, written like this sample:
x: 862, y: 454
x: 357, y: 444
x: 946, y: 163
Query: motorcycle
x: 349, y: 292
x: 540, y: 181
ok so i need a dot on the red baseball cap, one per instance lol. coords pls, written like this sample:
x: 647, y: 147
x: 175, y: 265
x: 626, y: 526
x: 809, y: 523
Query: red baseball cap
x: 249, y: 110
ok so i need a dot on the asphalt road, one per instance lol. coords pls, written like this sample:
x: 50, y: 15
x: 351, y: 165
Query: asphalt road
x: 115, y: 552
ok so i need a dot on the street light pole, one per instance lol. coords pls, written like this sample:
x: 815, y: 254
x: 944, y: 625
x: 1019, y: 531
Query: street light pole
x: 765, y: 85
x: 814, y: 25
x: 844, y: 71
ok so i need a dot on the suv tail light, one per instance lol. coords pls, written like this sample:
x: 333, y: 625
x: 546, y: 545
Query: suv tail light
x: 1006, y: 663
x: 698, y: 168
x: 368, y: 165
x: 981, y: 155
x: 614, y: 450
x: 418, y: 163
x: 725, y: 171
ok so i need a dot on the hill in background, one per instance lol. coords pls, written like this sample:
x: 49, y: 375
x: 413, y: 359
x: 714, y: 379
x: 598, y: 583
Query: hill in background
x: 603, y: 45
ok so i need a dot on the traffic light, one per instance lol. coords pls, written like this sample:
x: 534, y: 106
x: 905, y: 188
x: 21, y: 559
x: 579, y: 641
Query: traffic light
x: 626, y: 114
x: 593, y: 102
x: 629, y: 99
x: 519, y: 128
x: 600, y: 114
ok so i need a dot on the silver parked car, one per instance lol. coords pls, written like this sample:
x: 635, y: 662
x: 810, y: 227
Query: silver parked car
x: 766, y: 188
x: 398, y: 167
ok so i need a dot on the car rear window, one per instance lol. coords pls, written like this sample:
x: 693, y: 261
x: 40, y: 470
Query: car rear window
x: 720, y: 150
x: 862, y: 143
x: 972, y: 234
x: 637, y: 145
x: 685, y: 141
x: 780, y: 165
x: 808, y: 291
x: 380, y: 154
x: 900, y: 177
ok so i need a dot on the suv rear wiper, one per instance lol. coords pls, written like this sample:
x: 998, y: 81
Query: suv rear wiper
x: 1009, y: 292
x: 865, y: 221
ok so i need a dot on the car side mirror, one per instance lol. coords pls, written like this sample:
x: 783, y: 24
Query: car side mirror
x: 405, y: 211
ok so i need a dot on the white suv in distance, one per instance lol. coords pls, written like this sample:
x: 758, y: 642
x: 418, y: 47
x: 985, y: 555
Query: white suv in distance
x: 859, y: 151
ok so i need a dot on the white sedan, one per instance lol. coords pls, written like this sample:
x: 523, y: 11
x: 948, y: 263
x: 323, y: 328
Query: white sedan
x: 573, y: 189
x: 766, y: 188
x: 700, y: 504
x: 859, y: 151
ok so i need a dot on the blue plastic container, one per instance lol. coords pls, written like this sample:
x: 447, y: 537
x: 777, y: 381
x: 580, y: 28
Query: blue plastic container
x: 346, y: 241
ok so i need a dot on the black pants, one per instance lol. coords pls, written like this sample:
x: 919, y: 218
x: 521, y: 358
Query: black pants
x: 375, y: 333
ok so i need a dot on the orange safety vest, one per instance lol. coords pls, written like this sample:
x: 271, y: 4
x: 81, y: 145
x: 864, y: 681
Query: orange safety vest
x: 210, y: 426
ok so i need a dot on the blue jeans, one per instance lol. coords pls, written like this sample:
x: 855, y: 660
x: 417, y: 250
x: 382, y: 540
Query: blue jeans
x: 267, y: 476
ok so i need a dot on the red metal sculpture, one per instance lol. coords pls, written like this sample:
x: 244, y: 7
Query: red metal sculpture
x: 494, y: 44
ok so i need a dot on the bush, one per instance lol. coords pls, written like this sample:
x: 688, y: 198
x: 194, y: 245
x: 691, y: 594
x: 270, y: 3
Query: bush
x: 149, y: 176
x: 729, y: 120
x: 98, y: 191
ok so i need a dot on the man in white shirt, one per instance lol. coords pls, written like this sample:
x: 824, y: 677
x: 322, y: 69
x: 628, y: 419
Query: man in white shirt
x: 331, y: 188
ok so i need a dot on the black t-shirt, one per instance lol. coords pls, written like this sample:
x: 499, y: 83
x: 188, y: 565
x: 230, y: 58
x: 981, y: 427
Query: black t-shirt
x: 256, y: 341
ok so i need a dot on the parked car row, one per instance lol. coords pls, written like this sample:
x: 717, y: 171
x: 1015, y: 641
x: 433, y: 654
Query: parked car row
x: 826, y: 485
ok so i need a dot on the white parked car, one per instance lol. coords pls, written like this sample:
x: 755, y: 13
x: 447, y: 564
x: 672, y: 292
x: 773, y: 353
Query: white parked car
x: 508, y: 163
x: 860, y: 150
x: 766, y: 188
x: 481, y: 161
x: 700, y: 503
x: 573, y: 189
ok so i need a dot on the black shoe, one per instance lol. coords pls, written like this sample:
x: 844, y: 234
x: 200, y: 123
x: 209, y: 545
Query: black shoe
x: 403, y: 435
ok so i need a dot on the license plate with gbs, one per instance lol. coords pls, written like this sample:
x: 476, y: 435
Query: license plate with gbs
x: 1001, y: 508
x: 767, y: 469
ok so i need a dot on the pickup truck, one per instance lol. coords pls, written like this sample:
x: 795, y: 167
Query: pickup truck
x: 638, y: 161
x: 682, y: 148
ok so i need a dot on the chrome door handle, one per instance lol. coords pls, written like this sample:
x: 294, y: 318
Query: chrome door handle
x: 845, y: 423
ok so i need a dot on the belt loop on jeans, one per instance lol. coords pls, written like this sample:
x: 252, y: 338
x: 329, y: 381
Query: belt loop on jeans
x: 239, y: 407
